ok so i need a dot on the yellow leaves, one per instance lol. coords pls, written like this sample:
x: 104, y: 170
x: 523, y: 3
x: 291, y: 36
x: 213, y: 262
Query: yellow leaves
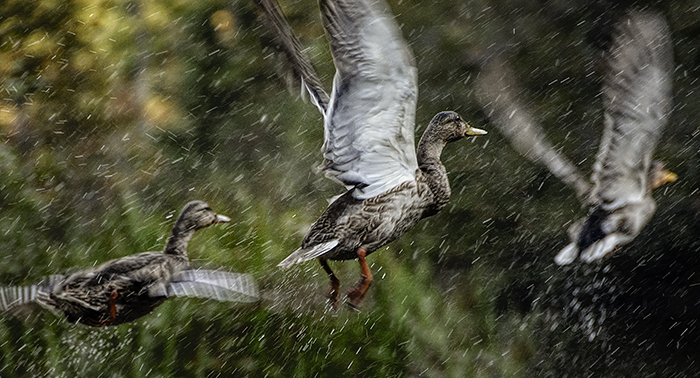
x: 8, y: 115
x: 100, y: 26
x: 8, y: 24
x: 157, y: 17
x: 161, y: 112
x: 224, y: 25
x: 83, y: 60
x: 38, y: 43
x: 223, y: 21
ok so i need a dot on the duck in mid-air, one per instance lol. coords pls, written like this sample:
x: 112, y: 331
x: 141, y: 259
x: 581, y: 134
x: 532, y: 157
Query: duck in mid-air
x: 369, y: 122
x: 636, y: 93
x: 127, y: 288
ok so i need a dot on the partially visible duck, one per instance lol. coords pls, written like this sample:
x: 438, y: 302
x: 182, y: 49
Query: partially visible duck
x: 369, y: 122
x: 636, y: 102
x: 127, y: 288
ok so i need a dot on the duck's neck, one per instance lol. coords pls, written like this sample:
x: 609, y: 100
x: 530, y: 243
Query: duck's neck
x: 428, y: 155
x: 178, y: 239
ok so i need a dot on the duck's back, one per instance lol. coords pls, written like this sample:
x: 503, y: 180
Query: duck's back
x: 370, y: 223
x: 85, y: 296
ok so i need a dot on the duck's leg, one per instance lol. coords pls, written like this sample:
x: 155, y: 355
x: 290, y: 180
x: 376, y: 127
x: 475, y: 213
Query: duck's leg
x: 113, y: 306
x: 335, y: 283
x: 357, y: 293
x: 112, y: 309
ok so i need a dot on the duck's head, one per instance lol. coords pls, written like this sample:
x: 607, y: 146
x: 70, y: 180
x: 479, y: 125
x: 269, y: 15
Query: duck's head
x: 198, y: 214
x: 659, y: 175
x: 449, y: 126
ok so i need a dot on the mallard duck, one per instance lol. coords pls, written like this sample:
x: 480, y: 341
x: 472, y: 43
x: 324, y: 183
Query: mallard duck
x: 636, y: 103
x: 127, y: 288
x: 369, y: 138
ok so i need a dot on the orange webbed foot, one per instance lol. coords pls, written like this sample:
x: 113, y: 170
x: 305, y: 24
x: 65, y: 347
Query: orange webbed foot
x: 113, y: 305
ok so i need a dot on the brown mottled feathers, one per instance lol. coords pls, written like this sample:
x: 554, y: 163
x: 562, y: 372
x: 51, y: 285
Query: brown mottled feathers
x: 124, y: 289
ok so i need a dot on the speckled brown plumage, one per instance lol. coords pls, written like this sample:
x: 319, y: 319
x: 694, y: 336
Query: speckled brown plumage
x: 355, y: 224
x: 369, y: 122
x: 377, y: 221
x: 124, y: 289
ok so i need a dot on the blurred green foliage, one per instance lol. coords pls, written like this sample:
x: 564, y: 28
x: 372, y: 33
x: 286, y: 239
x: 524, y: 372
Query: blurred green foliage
x: 115, y: 113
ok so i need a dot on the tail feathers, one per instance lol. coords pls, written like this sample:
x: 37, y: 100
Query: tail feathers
x: 599, y: 249
x: 222, y: 286
x: 567, y: 255
x: 595, y: 251
x: 306, y: 254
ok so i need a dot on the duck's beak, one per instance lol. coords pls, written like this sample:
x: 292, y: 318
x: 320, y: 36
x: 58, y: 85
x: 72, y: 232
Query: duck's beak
x: 475, y: 131
x: 670, y: 176
x: 662, y: 177
x: 222, y: 219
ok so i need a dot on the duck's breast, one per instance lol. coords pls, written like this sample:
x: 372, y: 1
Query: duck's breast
x: 395, y: 212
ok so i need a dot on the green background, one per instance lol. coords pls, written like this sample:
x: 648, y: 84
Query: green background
x: 115, y: 113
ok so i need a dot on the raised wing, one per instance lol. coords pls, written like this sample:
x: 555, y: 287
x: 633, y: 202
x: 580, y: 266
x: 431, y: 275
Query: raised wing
x: 213, y: 284
x: 12, y: 296
x: 289, y: 44
x: 637, y: 102
x: 369, y: 125
x: 499, y: 95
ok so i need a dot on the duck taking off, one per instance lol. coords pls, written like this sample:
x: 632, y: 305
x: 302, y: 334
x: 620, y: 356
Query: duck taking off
x: 125, y: 289
x: 369, y: 122
x: 636, y: 93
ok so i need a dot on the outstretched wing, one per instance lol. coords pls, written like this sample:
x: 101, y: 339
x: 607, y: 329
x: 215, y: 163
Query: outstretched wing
x: 213, y: 284
x: 289, y: 44
x: 499, y: 94
x: 369, y: 125
x: 637, y: 102
x: 13, y: 296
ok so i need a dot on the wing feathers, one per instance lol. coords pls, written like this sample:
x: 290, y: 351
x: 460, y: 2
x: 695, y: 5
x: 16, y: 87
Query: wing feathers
x: 213, y: 284
x: 291, y: 47
x: 370, y: 115
x: 637, y: 101
x: 13, y: 296
x: 369, y: 128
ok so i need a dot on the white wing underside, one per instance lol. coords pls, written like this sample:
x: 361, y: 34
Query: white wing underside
x: 637, y: 101
x: 212, y: 284
x: 369, y: 125
x: 567, y: 255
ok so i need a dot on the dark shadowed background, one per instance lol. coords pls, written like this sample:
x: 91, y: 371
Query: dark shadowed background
x: 116, y: 113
